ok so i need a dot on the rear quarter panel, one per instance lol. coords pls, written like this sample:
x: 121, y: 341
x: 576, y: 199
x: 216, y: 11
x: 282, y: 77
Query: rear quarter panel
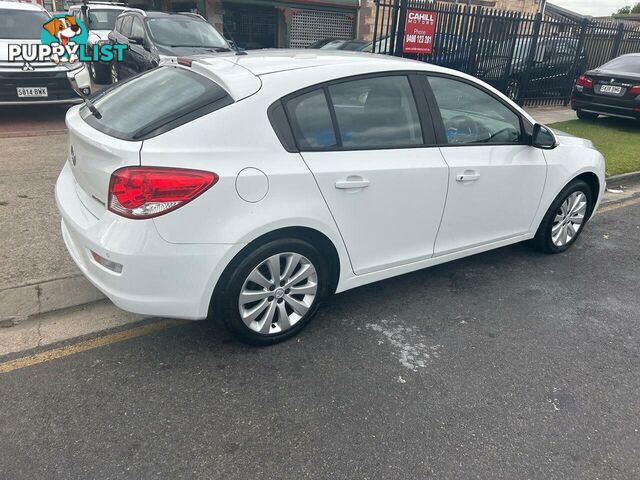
x: 226, y: 142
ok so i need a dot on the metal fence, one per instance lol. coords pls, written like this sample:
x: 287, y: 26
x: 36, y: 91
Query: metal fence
x: 533, y: 59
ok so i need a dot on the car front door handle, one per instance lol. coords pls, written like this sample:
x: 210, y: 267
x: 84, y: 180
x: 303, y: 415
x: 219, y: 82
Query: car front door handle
x: 352, y: 182
x: 468, y: 176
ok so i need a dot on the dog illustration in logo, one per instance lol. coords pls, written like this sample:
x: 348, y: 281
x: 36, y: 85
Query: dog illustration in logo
x: 64, y: 29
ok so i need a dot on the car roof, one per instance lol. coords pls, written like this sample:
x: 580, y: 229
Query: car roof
x: 100, y: 6
x: 264, y: 62
x: 156, y: 14
x: 21, y: 6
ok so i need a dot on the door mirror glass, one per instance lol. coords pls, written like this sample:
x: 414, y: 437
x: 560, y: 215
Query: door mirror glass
x: 543, y: 137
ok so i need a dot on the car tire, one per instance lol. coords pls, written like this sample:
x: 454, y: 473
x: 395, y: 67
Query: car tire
x: 260, y: 310
x: 582, y: 115
x: 100, y: 73
x: 560, y: 228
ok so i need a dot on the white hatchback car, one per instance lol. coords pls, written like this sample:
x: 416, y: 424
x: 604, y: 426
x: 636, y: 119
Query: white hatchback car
x: 250, y: 187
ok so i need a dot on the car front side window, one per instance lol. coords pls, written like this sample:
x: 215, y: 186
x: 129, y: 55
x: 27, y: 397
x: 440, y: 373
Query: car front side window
x: 472, y: 116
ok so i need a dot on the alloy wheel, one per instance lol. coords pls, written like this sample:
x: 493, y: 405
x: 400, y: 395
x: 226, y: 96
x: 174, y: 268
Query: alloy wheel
x: 569, y: 219
x: 278, y: 293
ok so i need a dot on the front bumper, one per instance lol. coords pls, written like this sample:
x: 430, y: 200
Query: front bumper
x: 57, y: 81
x: 158, y: 278
x: 603, y: 105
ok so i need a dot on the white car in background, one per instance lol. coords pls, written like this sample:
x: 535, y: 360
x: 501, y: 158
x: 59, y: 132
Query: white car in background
x: 34, y: 82
x: 99, y: 18
x: 251, y: 187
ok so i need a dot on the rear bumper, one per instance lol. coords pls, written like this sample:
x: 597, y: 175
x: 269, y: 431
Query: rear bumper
x: 158, y: 278
x: 57, y: 81
x: 605, y: 106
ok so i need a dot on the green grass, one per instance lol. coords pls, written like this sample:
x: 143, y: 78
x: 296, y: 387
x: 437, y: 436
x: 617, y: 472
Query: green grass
x: 617, y: 139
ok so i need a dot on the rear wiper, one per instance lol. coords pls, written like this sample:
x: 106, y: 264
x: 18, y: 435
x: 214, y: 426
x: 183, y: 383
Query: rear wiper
x: 92, y: 108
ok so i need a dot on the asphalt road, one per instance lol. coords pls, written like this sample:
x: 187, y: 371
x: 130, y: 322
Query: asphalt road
x: 506, y: 365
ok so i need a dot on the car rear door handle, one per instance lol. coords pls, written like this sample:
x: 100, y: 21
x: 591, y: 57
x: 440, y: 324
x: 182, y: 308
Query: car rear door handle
x: 352, y: 182
x: 468, y: 176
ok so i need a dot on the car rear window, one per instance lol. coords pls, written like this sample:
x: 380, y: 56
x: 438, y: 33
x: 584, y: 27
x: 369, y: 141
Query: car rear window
x: 629, y: 64
x: 155, y: 102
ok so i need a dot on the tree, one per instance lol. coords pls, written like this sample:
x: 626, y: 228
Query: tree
x: 629, y: 9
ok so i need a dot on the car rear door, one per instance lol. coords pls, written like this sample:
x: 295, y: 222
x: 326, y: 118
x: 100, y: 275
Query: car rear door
x: 496, y: 177
x: 370, y: 145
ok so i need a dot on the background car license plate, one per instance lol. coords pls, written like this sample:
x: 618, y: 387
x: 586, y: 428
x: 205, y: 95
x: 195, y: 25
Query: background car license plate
x: 610, y: 89
x: 28, y: 92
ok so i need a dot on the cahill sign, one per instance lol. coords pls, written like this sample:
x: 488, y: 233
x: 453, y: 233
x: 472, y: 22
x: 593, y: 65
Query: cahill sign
x: 419, y: 30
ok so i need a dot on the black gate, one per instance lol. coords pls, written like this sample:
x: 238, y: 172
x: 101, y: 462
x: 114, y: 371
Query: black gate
x: 532, y: 58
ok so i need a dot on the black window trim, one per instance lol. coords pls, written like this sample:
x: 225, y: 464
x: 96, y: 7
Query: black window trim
x: 441, y: 135
x: 429, y: 138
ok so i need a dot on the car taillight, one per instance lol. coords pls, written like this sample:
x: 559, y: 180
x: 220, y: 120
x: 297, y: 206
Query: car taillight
x: 146, y: 192
x: 635, y: 90
x: 584, y: 82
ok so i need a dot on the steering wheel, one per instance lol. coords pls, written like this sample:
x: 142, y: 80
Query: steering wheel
x: 464, y: 129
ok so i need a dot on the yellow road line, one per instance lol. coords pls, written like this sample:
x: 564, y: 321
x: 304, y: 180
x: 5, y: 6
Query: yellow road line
x: 616, y: 206
x: 88, y: 345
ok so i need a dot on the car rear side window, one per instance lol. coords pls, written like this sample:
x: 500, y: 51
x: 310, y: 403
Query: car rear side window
x: 630, y: 64
x: 130, y: 112
x: 376, y: 112
x: 311, y: 121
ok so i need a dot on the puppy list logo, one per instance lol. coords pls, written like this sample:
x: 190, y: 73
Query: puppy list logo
x: 64, y: 40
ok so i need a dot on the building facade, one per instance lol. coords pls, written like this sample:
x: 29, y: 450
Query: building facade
x: 255, y: 24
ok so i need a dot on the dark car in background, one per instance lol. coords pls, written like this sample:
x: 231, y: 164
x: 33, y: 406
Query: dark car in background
x: 156, y: 38
x: 340, y: 44
x: 612, y: 89
x: 554, y: 66
x: 99, y: 18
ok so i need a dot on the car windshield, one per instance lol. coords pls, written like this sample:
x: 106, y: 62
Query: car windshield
x: 185, y: 32
x: 623, y: 64
x: 102, y: 19
x: 20, y: 24
x: 333, y: 45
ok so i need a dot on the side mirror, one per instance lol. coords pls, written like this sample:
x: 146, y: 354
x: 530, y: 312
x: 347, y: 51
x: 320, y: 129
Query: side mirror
x: 543, y: 137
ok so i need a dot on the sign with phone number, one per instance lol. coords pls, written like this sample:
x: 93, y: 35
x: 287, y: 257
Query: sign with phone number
x: 419, y: 30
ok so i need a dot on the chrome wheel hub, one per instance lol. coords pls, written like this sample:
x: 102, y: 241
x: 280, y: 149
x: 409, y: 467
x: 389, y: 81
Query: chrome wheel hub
x: 568, y: 219
x: 278, y: 293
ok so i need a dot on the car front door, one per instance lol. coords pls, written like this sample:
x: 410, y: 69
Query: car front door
x: 371, y: 150
x: 139, y: 55
x: 496, y: 178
